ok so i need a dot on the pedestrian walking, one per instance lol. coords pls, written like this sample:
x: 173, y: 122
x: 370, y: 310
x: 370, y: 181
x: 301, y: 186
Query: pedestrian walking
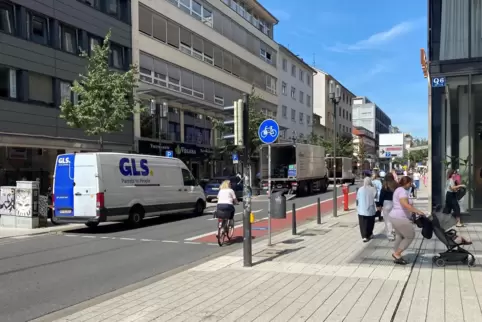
x: 400, y: 218
x: 394, y: 174
x: 451, y: 202
x: 365, y: 204
x: 385, y: 203
x: 416, y: 179
x: 377, y: 183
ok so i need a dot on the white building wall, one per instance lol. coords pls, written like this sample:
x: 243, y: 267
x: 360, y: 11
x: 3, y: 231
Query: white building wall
x: 302, y: 102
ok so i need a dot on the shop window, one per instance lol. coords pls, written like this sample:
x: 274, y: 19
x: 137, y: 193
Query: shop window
x: 40, y: 88
x: 6, y: 18
x: 68, y: 39
x: 38, y: 29
x: 8, y: 82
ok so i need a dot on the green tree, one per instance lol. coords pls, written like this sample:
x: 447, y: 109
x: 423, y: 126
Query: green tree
x: 314, y: 139
x: 361, y: 153
x: 255, y: 120
x: 105, y: 96
x: 344, y: 146
x: 419, y: 142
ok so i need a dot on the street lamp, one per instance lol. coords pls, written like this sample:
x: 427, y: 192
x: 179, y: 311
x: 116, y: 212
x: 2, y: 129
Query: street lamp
x: 335, y: 97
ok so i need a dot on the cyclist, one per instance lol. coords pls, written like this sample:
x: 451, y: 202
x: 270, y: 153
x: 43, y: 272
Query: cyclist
x: 226, y: 198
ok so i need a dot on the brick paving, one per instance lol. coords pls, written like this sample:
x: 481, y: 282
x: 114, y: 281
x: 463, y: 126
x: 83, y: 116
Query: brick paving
x: 326, y: 273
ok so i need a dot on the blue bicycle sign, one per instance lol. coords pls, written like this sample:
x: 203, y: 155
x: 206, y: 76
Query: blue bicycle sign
x: 268, y: 131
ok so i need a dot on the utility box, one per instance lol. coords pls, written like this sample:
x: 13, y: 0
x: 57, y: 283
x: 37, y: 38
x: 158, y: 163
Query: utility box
x: 278, y: 205
x: 7, y: 207
x: 26, y: 204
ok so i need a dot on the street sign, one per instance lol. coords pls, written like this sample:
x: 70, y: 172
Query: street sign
x: 390, y: 151
x: 268, y: 131
x: 438, y: 82
x: 235, y: 158
x: 169, y: 154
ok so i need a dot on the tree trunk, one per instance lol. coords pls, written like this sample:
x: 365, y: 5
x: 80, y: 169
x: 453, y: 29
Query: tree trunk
x: 101, y: 143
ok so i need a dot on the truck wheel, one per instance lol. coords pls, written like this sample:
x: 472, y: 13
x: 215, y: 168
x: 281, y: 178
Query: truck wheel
x: 135, y: 216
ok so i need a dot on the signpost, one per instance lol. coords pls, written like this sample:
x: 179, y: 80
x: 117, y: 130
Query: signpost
x: 235, y: 158
x: 268, y: 133
x: 169, y: 154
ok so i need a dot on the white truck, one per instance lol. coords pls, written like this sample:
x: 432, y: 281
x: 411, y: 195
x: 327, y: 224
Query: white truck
x: 296, y: 168
x: 344, y: 170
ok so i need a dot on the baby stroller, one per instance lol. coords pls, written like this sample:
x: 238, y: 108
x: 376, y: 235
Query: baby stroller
x: 455, y: 253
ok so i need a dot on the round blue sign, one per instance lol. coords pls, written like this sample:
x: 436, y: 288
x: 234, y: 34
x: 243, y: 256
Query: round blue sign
x: 268, y: 131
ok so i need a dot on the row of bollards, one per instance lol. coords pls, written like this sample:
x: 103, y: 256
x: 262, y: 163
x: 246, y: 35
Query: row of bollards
x: 293, y: 216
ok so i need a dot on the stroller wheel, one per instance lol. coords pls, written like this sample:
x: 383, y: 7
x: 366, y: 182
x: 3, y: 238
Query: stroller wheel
x: 440, y: 262
x: 471, y: 261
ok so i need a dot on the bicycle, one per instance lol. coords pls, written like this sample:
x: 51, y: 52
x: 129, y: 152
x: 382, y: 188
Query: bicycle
x: 225, y: 230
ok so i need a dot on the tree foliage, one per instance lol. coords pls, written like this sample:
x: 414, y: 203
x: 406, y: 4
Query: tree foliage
x: 105, y: 97
x: 344, y: 144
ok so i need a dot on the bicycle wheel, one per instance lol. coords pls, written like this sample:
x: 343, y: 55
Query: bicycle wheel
x: 220, y: 235
x: 230, y: 229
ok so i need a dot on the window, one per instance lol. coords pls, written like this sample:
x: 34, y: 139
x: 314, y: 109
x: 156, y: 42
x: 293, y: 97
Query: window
x: 302, y: 97
x: 308, y: 79
x: 284, y: 111
x: 350, y: 116
x: 6, y: 18
x: 65, y: 91
x: 117, y: 56
x: 302, y: 75
x: 113, y: 7
x: 94, y: 41
x: 40, y: 88
x: 207, y: 17
x: 293, y: 92
x: 302, y: 118
x: 283, y: 88
x: 197, y: 9
x: 308, y: 100
x: 308, y: 120
x: 93, y: 3
x: 68, y: 39
x: 270, y: 84
x: 293, y: 115
x: 339, y: 111
x: 38, y: 29
x: 145, y: 20
x: 173, y: 35
x: 8, y: 82
x: 265, y: 55
x: 188, y: 178
x: 293, y: 70
x: 285, y: 65
x: 159, y: 28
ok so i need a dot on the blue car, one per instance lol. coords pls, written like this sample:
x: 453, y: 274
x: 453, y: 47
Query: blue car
x: 212, y: 187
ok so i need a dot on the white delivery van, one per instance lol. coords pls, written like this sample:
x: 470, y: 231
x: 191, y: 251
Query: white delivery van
x: 99, y: 187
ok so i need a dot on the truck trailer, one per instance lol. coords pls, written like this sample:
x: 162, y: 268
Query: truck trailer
x: 295, y: 168
x: 344, y: 170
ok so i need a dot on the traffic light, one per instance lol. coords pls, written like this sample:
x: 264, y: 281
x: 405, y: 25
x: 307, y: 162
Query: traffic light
x: 237, y: 122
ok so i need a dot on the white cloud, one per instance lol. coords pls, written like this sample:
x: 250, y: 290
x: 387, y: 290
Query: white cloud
x: 381, y: 38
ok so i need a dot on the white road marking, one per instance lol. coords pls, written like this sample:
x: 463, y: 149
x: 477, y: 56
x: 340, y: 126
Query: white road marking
x: 22, y: 237
x: 149, y: 240
x: 241, y: 225
x: 88, y: 236
x: 140, y: 239
x: 124, y: 238
x: 192, y: 243
x: 105, y: 237
x: 170, y: 241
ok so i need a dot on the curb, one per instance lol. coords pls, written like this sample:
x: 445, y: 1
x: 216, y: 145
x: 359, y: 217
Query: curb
x: 43, y: 232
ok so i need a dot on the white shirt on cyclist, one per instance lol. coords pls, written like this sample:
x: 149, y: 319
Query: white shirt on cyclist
x: 226, y: 196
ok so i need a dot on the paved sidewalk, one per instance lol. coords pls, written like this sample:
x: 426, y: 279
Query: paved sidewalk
x: 25, y: 232
x: 326, y: 273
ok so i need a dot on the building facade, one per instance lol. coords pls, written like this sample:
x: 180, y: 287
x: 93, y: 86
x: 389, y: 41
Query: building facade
x: 364, y: 146
x: 455, y: 55
x: 368, y: 115
x: 195, y: 58
x: 323, y: 106
x: 295, y: 81
x: 319, y: 129
x: 40, y: 44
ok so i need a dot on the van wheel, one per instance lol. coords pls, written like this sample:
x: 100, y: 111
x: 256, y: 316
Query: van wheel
x: 199, y: 209
x: 92, y: 224
x: 135, y: 217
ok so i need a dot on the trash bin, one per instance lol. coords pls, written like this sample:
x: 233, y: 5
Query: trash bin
x: 278, y: 205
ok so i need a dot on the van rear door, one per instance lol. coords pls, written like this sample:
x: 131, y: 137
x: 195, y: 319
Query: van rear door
x: 64, y: 185
x: 85, y: 185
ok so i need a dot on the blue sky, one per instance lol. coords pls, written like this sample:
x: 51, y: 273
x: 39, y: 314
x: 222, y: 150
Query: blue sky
x: 372, y: 47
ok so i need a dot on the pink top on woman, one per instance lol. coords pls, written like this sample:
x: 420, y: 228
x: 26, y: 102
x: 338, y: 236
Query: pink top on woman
x: 398, y: 211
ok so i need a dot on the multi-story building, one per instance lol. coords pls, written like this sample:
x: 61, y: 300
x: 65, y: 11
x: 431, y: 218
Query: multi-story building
x: 318, y: 128
x: 40, y: 43
x: 323, y: 106
x: 368, y: 115
x: 295, y: 81
x: 195, y: 58
x: 364, y: 147
x: 393, y: 129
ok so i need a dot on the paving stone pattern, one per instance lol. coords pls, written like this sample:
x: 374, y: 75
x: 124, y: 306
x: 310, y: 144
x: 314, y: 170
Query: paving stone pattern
x: 326, y: 274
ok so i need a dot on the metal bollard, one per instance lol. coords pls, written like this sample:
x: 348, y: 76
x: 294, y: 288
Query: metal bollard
x: 293, y: 220
x: 318, y: 212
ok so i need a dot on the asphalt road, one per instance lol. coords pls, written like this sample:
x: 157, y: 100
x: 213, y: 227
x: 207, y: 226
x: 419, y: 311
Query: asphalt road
x: 43, y: 274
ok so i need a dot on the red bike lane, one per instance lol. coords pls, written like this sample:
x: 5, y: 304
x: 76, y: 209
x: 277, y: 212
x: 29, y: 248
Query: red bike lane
x: 260, y: 228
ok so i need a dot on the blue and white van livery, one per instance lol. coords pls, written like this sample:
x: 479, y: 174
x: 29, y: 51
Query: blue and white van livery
x: 99, y: 187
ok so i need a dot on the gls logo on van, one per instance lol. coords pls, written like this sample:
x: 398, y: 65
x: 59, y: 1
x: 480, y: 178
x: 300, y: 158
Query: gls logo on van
x: 128, y: 167
x: 63, y: 161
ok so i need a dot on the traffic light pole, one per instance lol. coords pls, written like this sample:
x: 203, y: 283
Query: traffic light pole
x: 247, y: 191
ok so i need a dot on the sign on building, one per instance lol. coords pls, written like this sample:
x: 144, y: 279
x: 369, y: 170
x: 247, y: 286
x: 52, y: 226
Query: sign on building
x: 391, y: 145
